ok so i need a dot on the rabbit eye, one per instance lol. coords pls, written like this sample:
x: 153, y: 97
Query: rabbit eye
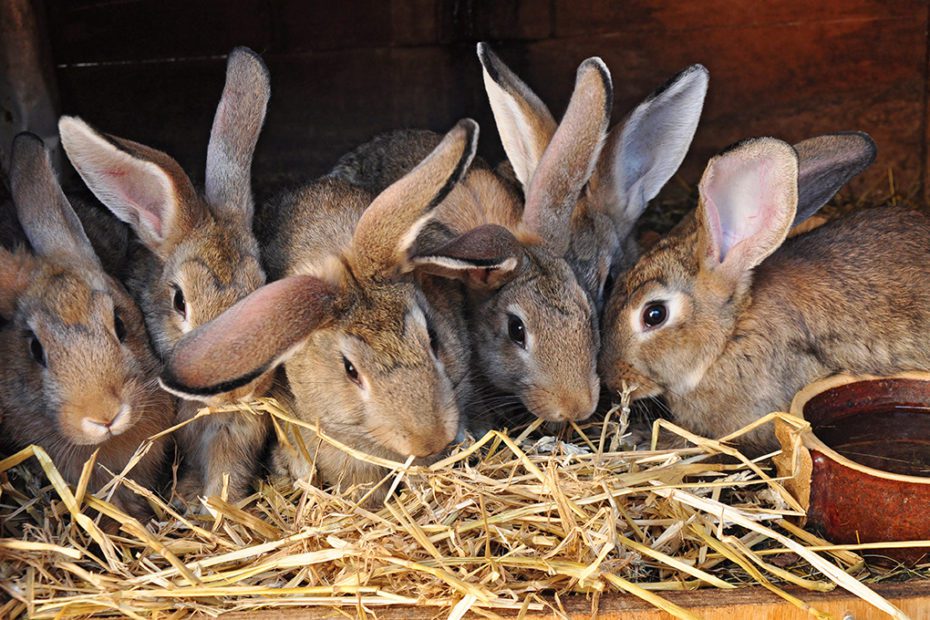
x: 516, y: 330
x: 351, y: 371
x: 655, y: 314
x: 36, y: 350
x: 119, y: 327
x: 180, y: 304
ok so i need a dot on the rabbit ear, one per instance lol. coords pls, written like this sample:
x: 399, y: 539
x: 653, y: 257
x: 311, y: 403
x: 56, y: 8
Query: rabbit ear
x: 14, y: 277
x: 643, y: 153
x: 485, y: 257
x: 570, y: 157
x: 748, y: 199
x: 827, y: 163
x: 524, y: 122
x: 250, y: 338
x: 389, y: 226
x: 141, y: 186
x: 50, y: 224
x: 236, y: 127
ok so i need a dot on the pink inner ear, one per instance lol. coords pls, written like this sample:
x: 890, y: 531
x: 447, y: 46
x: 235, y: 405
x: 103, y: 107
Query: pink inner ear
x: 712, y: 225
x: 143, y: 194
x: 744, y: 202
x: 153, y: 221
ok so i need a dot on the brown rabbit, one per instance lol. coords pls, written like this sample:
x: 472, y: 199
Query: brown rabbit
x: 196, y: 255
x: 78, y: 374
x: 728, y: 321
x: 362, y: 349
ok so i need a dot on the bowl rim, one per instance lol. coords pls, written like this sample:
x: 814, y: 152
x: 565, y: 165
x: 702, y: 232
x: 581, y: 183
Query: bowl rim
x: 812, y: 442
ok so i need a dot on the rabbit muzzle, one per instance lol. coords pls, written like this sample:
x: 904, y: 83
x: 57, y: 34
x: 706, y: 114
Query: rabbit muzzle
x: 619, y: 375
x: 429, y: 444
x: 105, y: 424
x: 427, y: 439
x: 92, y: 424
x: 560, y: 405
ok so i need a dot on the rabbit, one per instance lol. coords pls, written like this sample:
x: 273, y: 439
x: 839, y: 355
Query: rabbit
x: 328, y: 211
x: 727, y: 320
x: 195, y: 257
x: 362, y: 349
x: 78, y: 373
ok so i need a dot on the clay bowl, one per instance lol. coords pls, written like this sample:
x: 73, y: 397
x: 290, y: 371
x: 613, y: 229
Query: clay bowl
x: 862, y: 468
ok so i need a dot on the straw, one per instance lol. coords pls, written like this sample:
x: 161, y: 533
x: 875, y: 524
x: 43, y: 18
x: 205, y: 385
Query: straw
x: 513, y: 522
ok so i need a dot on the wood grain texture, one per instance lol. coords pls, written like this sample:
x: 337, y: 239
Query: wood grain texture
x: 775, y: 70
x: 342, y: 72
x: 581, y: 17
x: 755, y: 603
x: 87, y: 31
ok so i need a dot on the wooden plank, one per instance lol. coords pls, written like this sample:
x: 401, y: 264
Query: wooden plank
x: 757, y: 603
x: 305, y: 26
x: 925, y: 149
x: 86, y: 31
x: 416, y: 22
x: 496, y: 20
x: 322, y: 105
x: 661, y: 17
x: 791, y: 79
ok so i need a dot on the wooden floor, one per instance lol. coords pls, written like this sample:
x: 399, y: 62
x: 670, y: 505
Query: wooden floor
x: 753, y: 603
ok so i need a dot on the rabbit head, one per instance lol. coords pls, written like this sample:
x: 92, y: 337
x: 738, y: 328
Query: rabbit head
x: 356, y: 335
x: 200, y: 254
x: 675, y: 311
x: 78, y: 373
x: 533, y: 326
x: 638, y: 157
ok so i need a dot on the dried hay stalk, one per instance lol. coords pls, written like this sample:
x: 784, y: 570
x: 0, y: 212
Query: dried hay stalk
x: 507, y: 522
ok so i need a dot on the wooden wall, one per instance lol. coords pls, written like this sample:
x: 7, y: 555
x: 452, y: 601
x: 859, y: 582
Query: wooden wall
x: 342, y: 71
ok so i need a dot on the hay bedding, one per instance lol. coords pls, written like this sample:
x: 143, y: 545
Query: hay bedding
x: 509, y: 522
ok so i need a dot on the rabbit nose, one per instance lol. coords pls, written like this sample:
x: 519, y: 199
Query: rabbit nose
x: 121, y: 420
x: 577, y: 408
x: 114, y: 423
x: 430, y: 444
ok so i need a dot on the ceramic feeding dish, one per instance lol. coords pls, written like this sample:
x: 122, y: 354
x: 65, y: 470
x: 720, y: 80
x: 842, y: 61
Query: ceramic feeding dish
x: 862, y: 468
